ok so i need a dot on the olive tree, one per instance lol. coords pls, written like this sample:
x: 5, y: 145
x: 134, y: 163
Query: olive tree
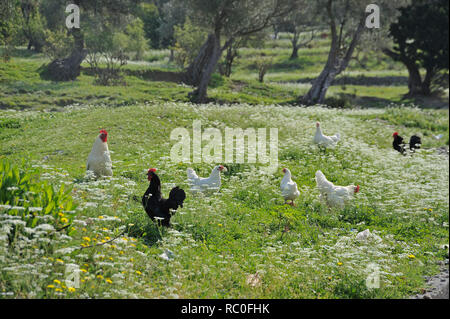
x: 346, y: 21
x: 225, y: 20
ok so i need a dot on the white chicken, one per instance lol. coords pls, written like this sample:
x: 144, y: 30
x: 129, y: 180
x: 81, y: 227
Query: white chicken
x: 334, y: 196
x: 99, y: 160
x: 288, y: 187
x: 323, y: 140
x: 212, y: 183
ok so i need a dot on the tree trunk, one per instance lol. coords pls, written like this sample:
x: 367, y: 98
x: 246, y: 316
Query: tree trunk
x: 172, y: 56
x: 295, y: 45
x: 200, y: 71
x: 68, y: 69
x: 426, y: 85
x: 195, y: 71
x: 294, y: 54
x: 318, y: 91
x: 338, y: 60
x: 414, y: 79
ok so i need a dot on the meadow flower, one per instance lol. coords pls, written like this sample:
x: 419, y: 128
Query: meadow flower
x: 109, y: 281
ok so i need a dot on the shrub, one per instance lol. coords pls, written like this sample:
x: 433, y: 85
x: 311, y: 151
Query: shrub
x: 58, y: 44
x: 34, y: 202
x: 106, y: 47
x: 136, y: 41
x: 263, y: 64
x: 189, y: 40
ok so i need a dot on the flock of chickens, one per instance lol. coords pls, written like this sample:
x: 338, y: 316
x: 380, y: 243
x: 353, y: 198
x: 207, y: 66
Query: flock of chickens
x: 161, y: 209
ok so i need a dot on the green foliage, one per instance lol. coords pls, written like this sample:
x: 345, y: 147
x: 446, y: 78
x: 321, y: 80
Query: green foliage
x: 189, y: 39
x: 136, y: 41
x: 106, y: 46
x: 421, y: 35
x: 58, y: 44
x: 149, y: 14
x: 22, y: 195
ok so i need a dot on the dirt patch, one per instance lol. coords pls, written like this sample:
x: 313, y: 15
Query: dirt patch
x: 438, y: 284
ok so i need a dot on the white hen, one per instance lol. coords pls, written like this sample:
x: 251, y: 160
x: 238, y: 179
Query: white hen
x: 288, y: 187
x: 212, y: 183
x: 99, y: 160
x: 323, y: 140
x: 334, y: 196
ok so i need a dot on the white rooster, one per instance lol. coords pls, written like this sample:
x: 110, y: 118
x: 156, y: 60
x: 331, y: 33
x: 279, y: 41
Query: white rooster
x: 323, y: 140
x: 334, y: 196
x: 99, y: 160
x: 212, y: 183
x: 288, y: 187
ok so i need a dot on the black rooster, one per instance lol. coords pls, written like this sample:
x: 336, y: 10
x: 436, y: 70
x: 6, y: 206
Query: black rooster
x: 157, y: 207
x: 415, y: 142
x: 398, y: 143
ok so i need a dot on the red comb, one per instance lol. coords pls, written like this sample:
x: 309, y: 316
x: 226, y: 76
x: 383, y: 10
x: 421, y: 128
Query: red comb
x: 152, y: 170
x: 104, y: 132
x: 357, y: 189
x: 395, y: 134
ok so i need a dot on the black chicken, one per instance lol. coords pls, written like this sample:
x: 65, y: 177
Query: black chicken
x: 398, y: 143
x: 158, y: 207
x: 415, y: 142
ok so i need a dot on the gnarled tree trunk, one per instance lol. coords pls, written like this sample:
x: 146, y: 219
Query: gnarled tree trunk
x: 68, y: 69
x: 200, y: 71
x: 338, y: 59
x: 416, y: 85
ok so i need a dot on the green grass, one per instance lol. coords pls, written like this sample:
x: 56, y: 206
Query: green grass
x: 22, y: 88
x: 220, y: 240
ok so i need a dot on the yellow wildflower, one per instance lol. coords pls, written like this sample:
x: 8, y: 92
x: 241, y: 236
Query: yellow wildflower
x: 86, y: 239
x: 51, y: 286
x: 58, y: 290
x: 340, y: 264
x: 138, y: 272
x: 109, y: 281
x: 56, y: 281
x: 71, y: 289
x: 60, y: 261
x: 411, y: 256
x: 64, y: 220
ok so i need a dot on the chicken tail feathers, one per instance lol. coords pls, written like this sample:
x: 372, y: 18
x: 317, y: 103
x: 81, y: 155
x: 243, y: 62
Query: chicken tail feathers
x: 191, y: 174
x: 176, y: 197
x: 336, y: 138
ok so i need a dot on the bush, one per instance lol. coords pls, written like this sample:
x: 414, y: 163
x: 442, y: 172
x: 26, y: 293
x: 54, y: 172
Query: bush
x: 189, y: 40
x: 34, y: 202
x: 106, y: 55
x: 58, y: 44
x: 263, y: 64
x: 136, y: 41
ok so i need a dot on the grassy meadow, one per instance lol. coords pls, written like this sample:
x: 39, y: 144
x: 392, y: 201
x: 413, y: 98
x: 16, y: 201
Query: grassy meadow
x: 242, y: 242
